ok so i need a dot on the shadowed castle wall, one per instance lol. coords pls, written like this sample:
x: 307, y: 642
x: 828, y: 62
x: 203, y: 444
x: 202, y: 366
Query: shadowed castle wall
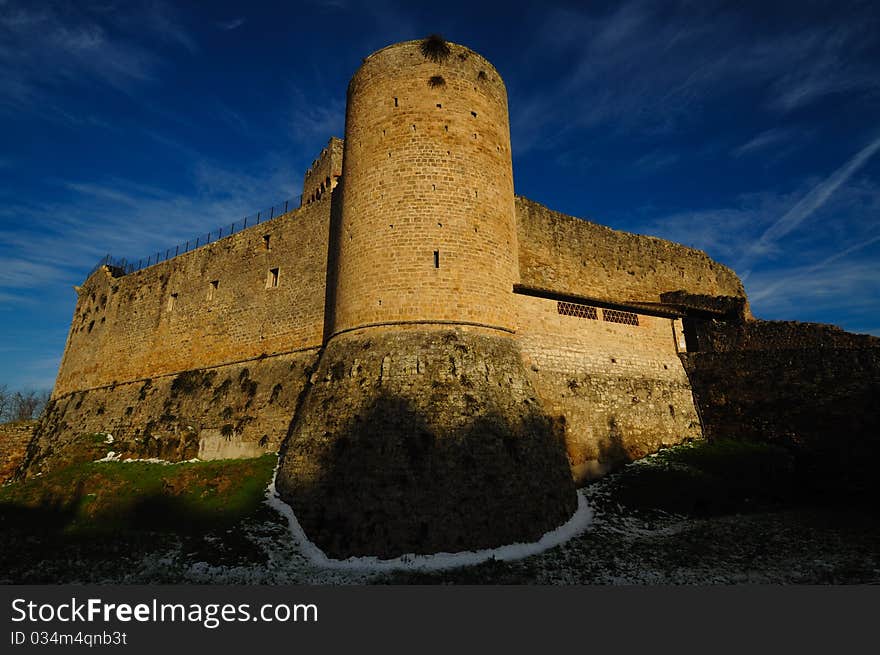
x: 809, y: 387
x: 423, y: 440
x: 130, y: 328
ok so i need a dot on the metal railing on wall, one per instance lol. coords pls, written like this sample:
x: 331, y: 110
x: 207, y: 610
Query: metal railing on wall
x: 130, y: 266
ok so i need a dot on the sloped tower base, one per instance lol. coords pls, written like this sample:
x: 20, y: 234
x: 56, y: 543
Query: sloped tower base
x: 422, y: 441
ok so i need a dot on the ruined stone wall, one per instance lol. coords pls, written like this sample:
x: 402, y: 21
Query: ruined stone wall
x: 237, y: 410
x: 324, y: 174
x: 14, y: 440
x: 217, y: 304
x: 427, y: 230
x: 728, y: 336
x: 570, y: 255
x: 810, y: 388
x: 619, y: 388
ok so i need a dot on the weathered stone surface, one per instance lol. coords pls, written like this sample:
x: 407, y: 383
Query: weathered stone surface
x: 730, y: 336
x: 423, y: 441
x: 238, y: 410
x: 810, y: 388
x: 619, y: 389
x: 14, y: 440
x: 427, y: 229
x: 452, y: 385
x: 570, y: 255
x: 205, y: 308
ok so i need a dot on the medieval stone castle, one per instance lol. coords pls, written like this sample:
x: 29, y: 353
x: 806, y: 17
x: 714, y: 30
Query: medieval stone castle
x: 439, y: 361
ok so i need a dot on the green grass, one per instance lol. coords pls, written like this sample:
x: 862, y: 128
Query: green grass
x: 110, y: 496
x: 708, y: 478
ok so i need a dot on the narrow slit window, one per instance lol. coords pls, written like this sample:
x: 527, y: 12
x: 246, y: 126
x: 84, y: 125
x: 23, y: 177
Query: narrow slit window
x: 266, y: 239
x: 272, y: 278
x: 172, y: 299
x: 395, y: 102
x: 436, y: 259
x: 212, y: 288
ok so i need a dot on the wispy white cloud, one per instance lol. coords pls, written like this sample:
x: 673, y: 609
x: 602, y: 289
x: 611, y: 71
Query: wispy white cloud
x: 229, y: 25
x: 652, y: 67
x: 656, y: 160
x: 831, y: 270
x: 845, y: 289
x: 128, y: 219
x: 313, y: 123
x: 44, y: 47
x: 819, y: 278
x: 807, y: 205
x: 764, y: 140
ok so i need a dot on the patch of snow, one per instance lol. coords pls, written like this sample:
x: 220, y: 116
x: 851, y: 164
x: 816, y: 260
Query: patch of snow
x: 579, y: 521
x: 117, y: 457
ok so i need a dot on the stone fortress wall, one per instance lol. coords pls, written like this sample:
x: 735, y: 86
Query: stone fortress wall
x: 602, y: 349
x: 218, y: 304
x: 407, y: 290
x: 619, y: 389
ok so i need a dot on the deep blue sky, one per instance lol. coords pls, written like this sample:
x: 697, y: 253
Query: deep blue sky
x: 749, y: 132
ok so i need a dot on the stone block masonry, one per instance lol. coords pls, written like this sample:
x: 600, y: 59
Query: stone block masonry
x: 571, y: 255
x: 14, y: 440
x: 437, y: 360
x: 427, y: 230
x: 221, y: 412
x: 618, y: 388
x: 214, y: 305
x: 323, y: 176
x: 414, y: 440
x: 810, y: 388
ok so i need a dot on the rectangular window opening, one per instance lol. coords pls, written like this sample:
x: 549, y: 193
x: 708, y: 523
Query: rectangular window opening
x: 212, y: 288
x: 171, y: 300
x: 395, y: 102
x: 436, y: 259
x: 266, y: 239
x: 272, y: 278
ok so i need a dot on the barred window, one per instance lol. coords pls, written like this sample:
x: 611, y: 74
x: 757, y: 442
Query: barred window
x: 614, y: 316
x: 574, y: 309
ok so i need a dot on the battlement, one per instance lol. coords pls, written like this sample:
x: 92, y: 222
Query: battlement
x: 324, y: 173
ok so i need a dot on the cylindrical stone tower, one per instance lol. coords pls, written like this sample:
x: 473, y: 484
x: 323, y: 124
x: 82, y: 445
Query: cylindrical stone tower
x: 420, y: 431
x: 427, y: 230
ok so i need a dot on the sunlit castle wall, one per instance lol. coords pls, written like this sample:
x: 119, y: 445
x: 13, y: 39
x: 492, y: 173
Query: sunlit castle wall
x: 427, y: 229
